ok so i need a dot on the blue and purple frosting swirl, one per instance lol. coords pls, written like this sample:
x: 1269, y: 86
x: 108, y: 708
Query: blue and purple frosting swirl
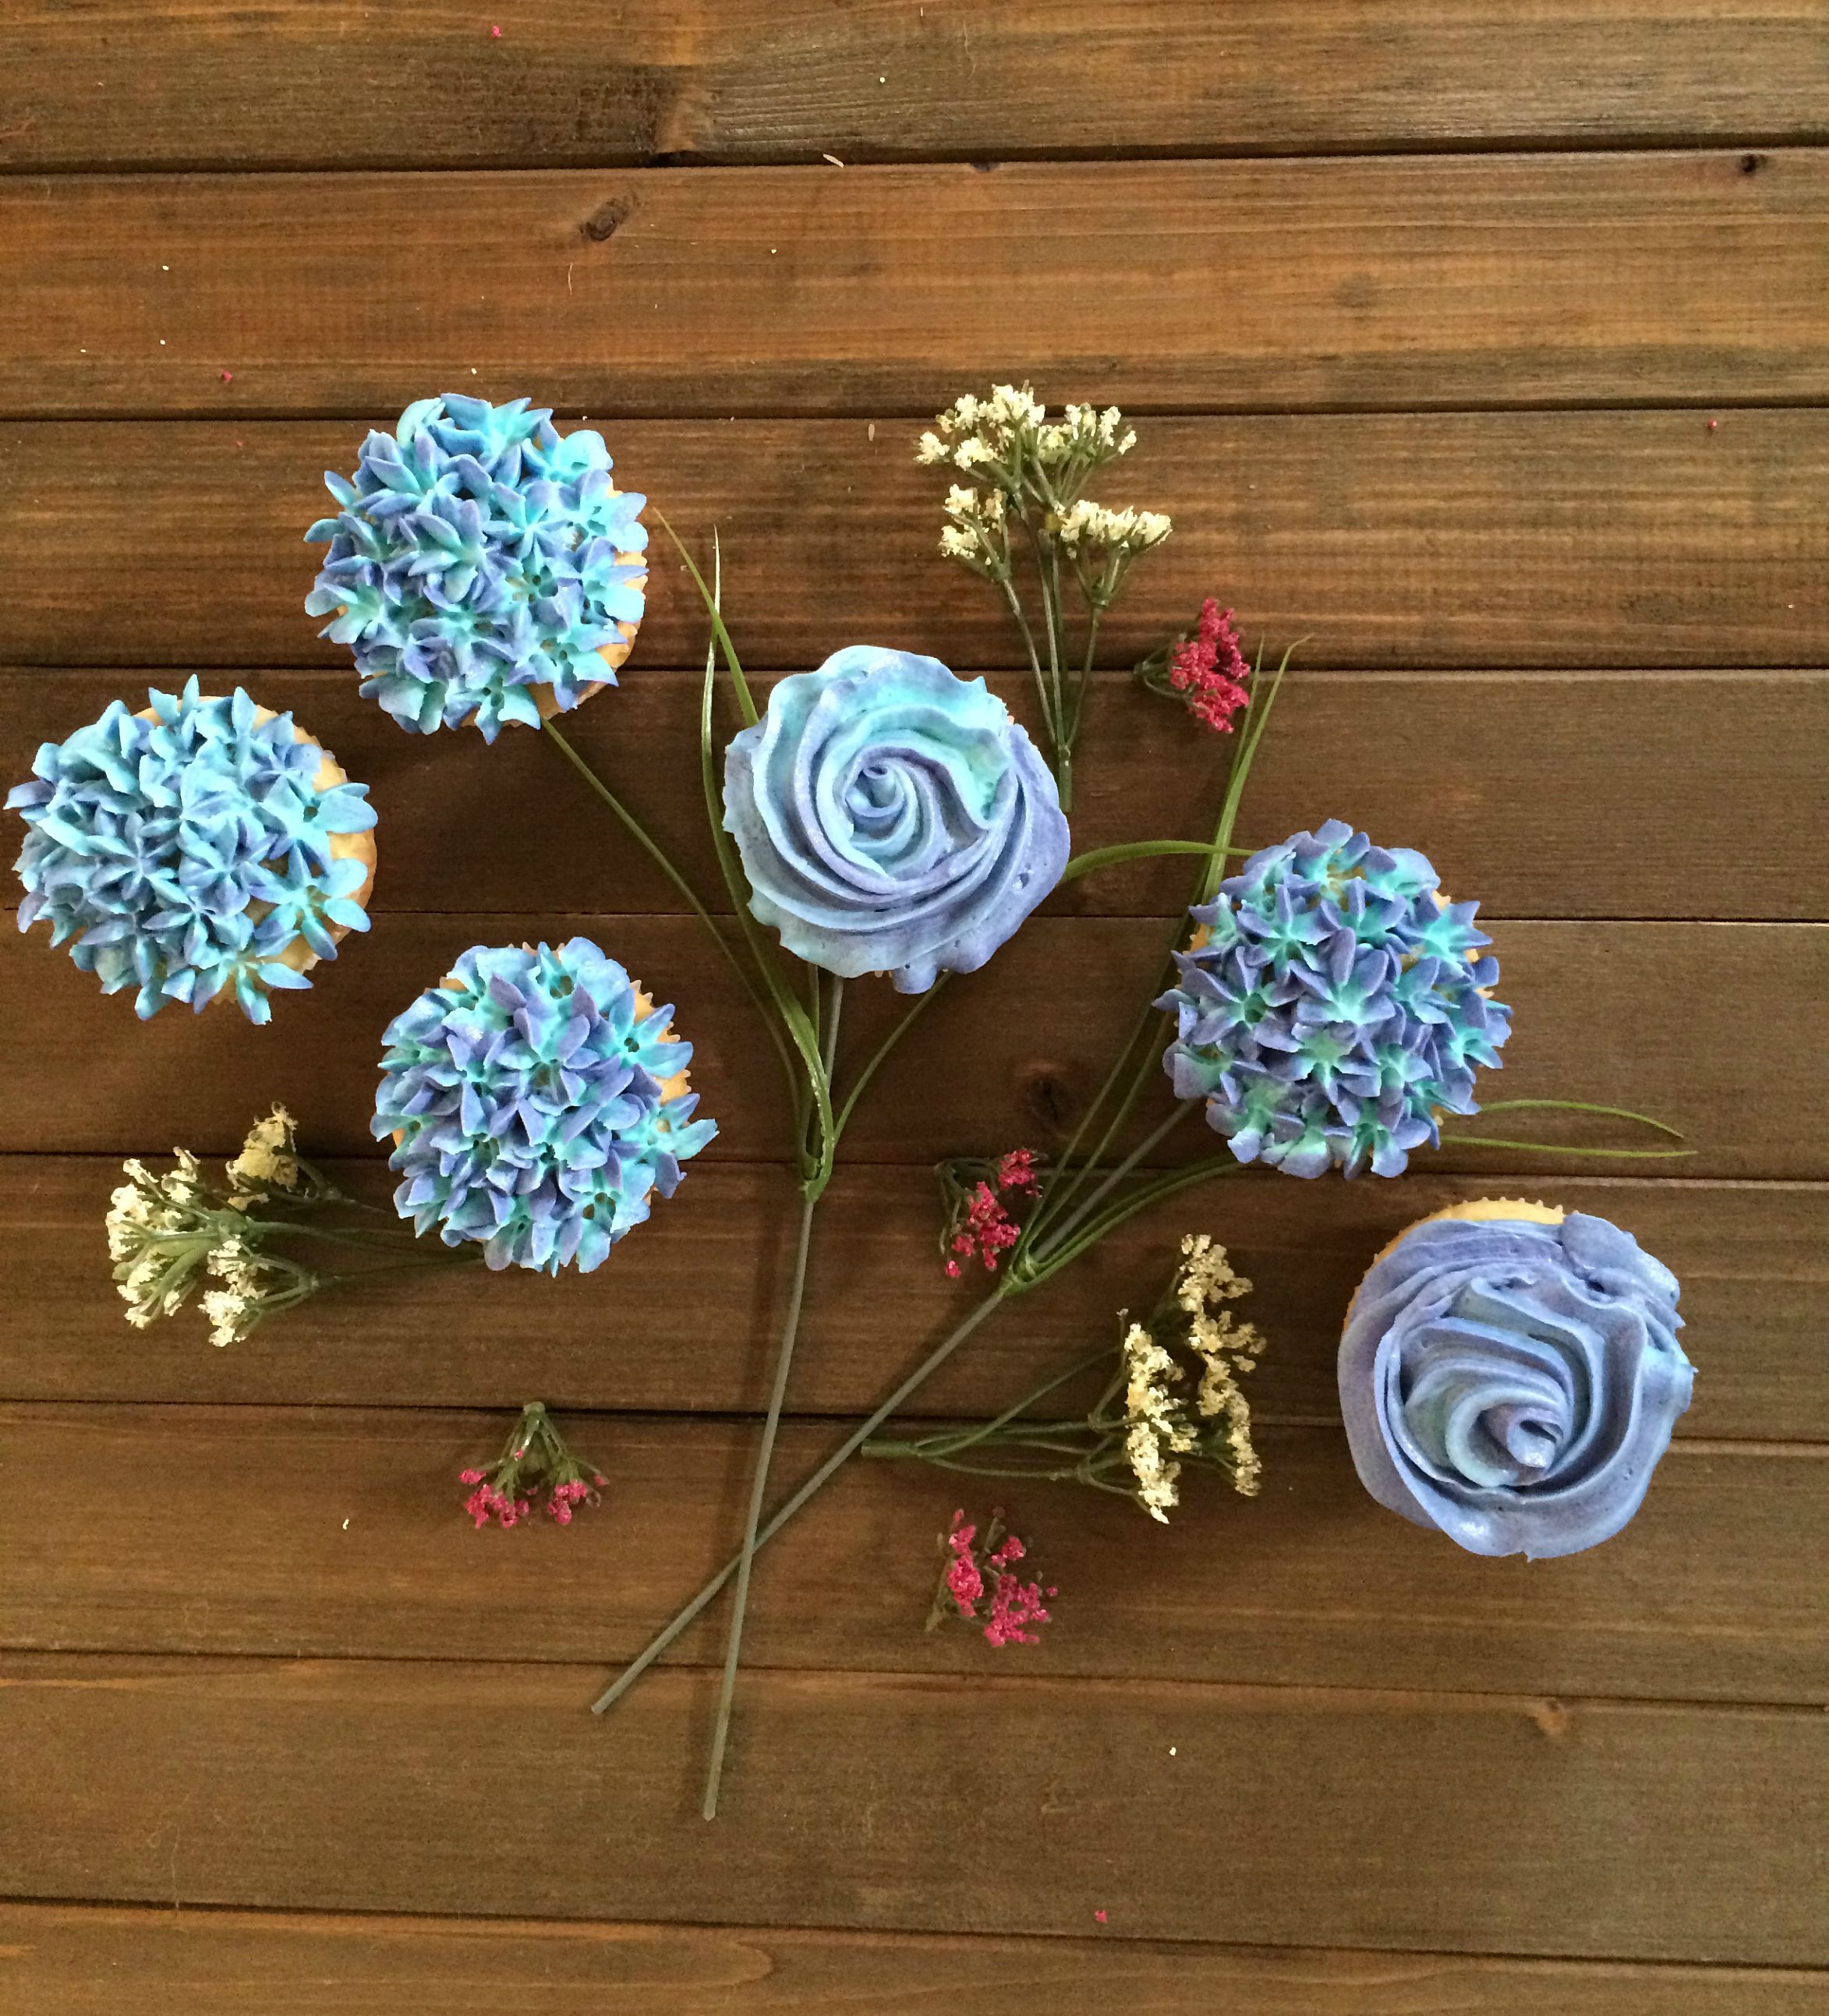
x: 892, y: 818
x: 482, y: 564
x: 201, y: 848
x: 1333, y: 1006
x: 537, y: 1099
x: 1511, y: 1378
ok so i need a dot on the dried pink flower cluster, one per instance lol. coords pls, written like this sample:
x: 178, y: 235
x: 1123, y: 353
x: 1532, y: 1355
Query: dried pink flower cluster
x: 1208, y: 671
x: 980, y: 1227
x: 534, y: 1459
x: 979, y: 1584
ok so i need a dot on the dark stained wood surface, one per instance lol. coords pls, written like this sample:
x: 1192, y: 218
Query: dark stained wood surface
x: 336, y: 84
x: 1720, y: 763
x: 72, y: 1962
x: 143, y: 1779
x: 1559, y: 541
x: 1355, y: 282
x: 77, y: 1961
x: 681, y: 1320
x: 289, y: 1539
x: 1508, y: 400
x: 1647, y: 1016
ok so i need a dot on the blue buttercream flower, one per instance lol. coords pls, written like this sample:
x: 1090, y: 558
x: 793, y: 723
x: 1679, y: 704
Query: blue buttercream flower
x: 200, y: 846
x: 1509, y: 1374
x: 536, y: 1098
x: 892, y: 818
x: 1333, y: 1006
x: 484, y: 566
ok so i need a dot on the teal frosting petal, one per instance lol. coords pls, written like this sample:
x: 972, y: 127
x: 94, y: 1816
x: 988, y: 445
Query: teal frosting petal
x: 479, y: 554
x: 1333, y: 1006
x: 532, y: 1102
x: 182, y: 854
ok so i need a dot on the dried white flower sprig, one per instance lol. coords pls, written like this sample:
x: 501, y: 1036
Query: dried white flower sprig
x: 172, y: 1233
x: 1022, y: 503
x: 1174, y: 1397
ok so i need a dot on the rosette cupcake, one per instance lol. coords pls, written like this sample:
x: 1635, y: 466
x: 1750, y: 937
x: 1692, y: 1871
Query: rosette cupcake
x: 202, y: 848
x: 1333, y: 1005
x: 892, y: 818
x: 1510, y: 1373
x: 483, y: 565
x: 536, y: 1099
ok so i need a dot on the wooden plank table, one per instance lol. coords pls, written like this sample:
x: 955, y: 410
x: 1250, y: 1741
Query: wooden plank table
x: 1486, y: 343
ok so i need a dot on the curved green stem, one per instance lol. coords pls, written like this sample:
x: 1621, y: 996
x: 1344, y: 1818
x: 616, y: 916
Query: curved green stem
x: 1560, y: 1148
x: 758, y: 1484
x: 1141, y: 850
x: 1040, y: 1253
x: 1581, y: 1105
x: 1139, y: 1200
x: 882, y: 1051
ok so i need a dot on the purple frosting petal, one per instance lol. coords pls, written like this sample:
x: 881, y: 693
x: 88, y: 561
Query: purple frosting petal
x: 1513, y: 1383
x: 892, y: 818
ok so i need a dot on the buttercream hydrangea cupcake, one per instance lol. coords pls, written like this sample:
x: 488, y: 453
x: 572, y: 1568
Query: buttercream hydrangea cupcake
x: 483, y: 565
x: 201, y: 848
x: 1510, y: 1373
x: 1333, y: 1006
x: 537, y: 1099
x: 892, y: 818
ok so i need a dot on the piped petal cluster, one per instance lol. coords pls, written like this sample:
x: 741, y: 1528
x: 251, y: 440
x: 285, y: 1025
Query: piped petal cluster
x: 1333, y: 1006
x: 537, y: 1099
x: 1510, y: 1373
x: 892, y: 818
x: 200, y: 847
x: 481, y: 562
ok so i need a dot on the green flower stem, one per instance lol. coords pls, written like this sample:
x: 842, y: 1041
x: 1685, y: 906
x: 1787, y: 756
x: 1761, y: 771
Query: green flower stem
x: 812, y: 1189
x: 1141, y: 1200
x: 1581, y: 1105
x: 779, y: 1517
x: 1562, y: 1148
x: 358, y: 1240
x: 1095, y: 614
x: 963, y: 1438
x: 1057, y: 1196
x: 758, y: 1484
x: 1028, y: 641
x: 1040, y: 1253
x: 883, y: 1049
x: 1141, y: 850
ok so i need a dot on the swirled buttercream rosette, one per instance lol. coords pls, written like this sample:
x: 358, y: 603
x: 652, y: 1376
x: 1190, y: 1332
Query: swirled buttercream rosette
x: 483, y: 565
x: 1333, y: 1006
x: 200, y: 848
x: 537, y: 1099
x: 1510, y: 1373
x: 892, y: 818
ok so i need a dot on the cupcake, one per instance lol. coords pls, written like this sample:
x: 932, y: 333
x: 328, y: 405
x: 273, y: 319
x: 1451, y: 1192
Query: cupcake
x: 1509, y: 1373
x: 536, y: 1099
x: 483, y: 565
x: 200, y: 848
x: 1332, y: 1004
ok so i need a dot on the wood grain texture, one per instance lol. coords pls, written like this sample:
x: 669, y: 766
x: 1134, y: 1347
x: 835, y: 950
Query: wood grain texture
x: 341, y: 1534
x: 79, y: 1960
x: 1652, y: 1017
x: 1558, y: 540
x: 683, y: 1319
x: 142, y: 1779
x: 1421, y: 282
x: 1724, y: 767
x: 322, y: 83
